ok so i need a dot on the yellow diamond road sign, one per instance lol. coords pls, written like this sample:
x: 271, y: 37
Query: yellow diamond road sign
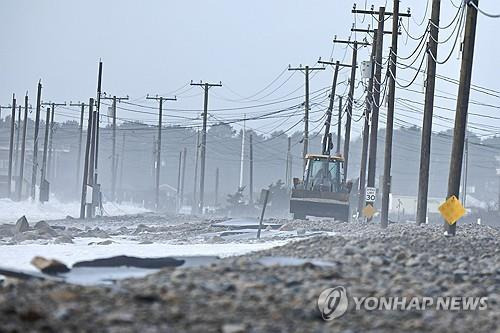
x: 369, y: 211
x: 452, y: 210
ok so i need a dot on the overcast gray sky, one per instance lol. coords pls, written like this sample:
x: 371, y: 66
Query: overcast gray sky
x: 156, y: 47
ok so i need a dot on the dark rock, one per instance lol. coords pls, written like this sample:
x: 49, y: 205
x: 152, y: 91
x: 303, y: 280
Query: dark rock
x: 49, y: 266
x: 96, y: 232
x: 47, y: 230
x: 143, y: 228
x: 106, y: 242
x: 63, y: 240
x: 41, y: 225
x: 6, y: 230
x: 22, y: 225
x: 131, y: 262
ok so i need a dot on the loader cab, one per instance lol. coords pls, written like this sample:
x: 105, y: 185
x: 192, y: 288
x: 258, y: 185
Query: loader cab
x: 324, y: 173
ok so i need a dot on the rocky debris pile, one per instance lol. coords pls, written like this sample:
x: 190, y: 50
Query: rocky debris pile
x: 242, y: 294
x: 22, y: 231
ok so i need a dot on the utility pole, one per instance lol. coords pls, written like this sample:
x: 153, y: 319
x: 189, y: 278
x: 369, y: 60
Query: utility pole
x: 86, y: 176
x: 425, y: 147
x: 18, y: 137
x: 288, y: 171
x: 43, y: 172
x: 197, y: 150
x: 242, y: 158
x: 339, y: 127
x: 91, y: 168
x: 80, y: 137
x: 178, y: 203
x: 183, y: 177
x: 326, y: 138
x: 51, y: 134
x: 113, y: 147
x: 11, y: 146
x: 466, y: 172
x: 250, y: 189
x: 379, y: 40
x: 160, y: 100
x: 206, y: 87
x: 35, y: 140
x: 216, y: 187
x: 327, y: 144
x: 457, y: 150
x: 96, y: 187
x: 306, y: 71
x: 19, y: 184
x: 350, y: 99
x: 366, y: 130
x: 393, y: 58
x: 122, y: 158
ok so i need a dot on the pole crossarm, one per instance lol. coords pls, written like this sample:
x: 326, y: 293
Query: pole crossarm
x: 376, y: 12
x: 334, y: 63
x: 372, y: 31
x: 300, y: 68
x: 55, y: 104
x: 157, y: 98
x: 208, y: 85
x: 118, y: 99
x: 342, y: 41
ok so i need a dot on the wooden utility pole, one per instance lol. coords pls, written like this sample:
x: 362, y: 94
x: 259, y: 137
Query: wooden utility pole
x: 80, y: 137
x: 51, y: 134
x: 183, y: 177
x: 457, y: 150
x: 122, y: 159
x: 430, y: 84
x: 327, y: 144
x: 19, y: 184
x: 113, y: 147
x: 306, y: 71
x: 97, y: 189
x: 86, y: 177
x: 242, y: 156
x: 379, y: 41
x: 11, y: 145
x: 206, y: 87
x: 393, y: 58
x: 160, y: 100
x: 339, y: 127
x: 350, y: 102
x: 288, y: 171
x: 366, y: 131
x: 35, y: 140
x: 179, y: 176
x: 18, y: 137
x: 196, y: 158
x: 350, y: 99
x: 250, y: 189
x: 43, y: 172
x: 216, y: 187
x: 372, y: 154
x: 91, y: 168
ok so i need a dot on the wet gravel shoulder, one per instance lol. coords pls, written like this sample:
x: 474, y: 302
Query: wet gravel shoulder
x: 241, y: 295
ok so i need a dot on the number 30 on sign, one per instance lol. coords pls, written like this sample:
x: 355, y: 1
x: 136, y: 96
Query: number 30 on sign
x: 371, y: 194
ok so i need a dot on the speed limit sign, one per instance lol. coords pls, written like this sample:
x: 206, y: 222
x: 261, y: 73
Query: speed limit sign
x: 371, y: 194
